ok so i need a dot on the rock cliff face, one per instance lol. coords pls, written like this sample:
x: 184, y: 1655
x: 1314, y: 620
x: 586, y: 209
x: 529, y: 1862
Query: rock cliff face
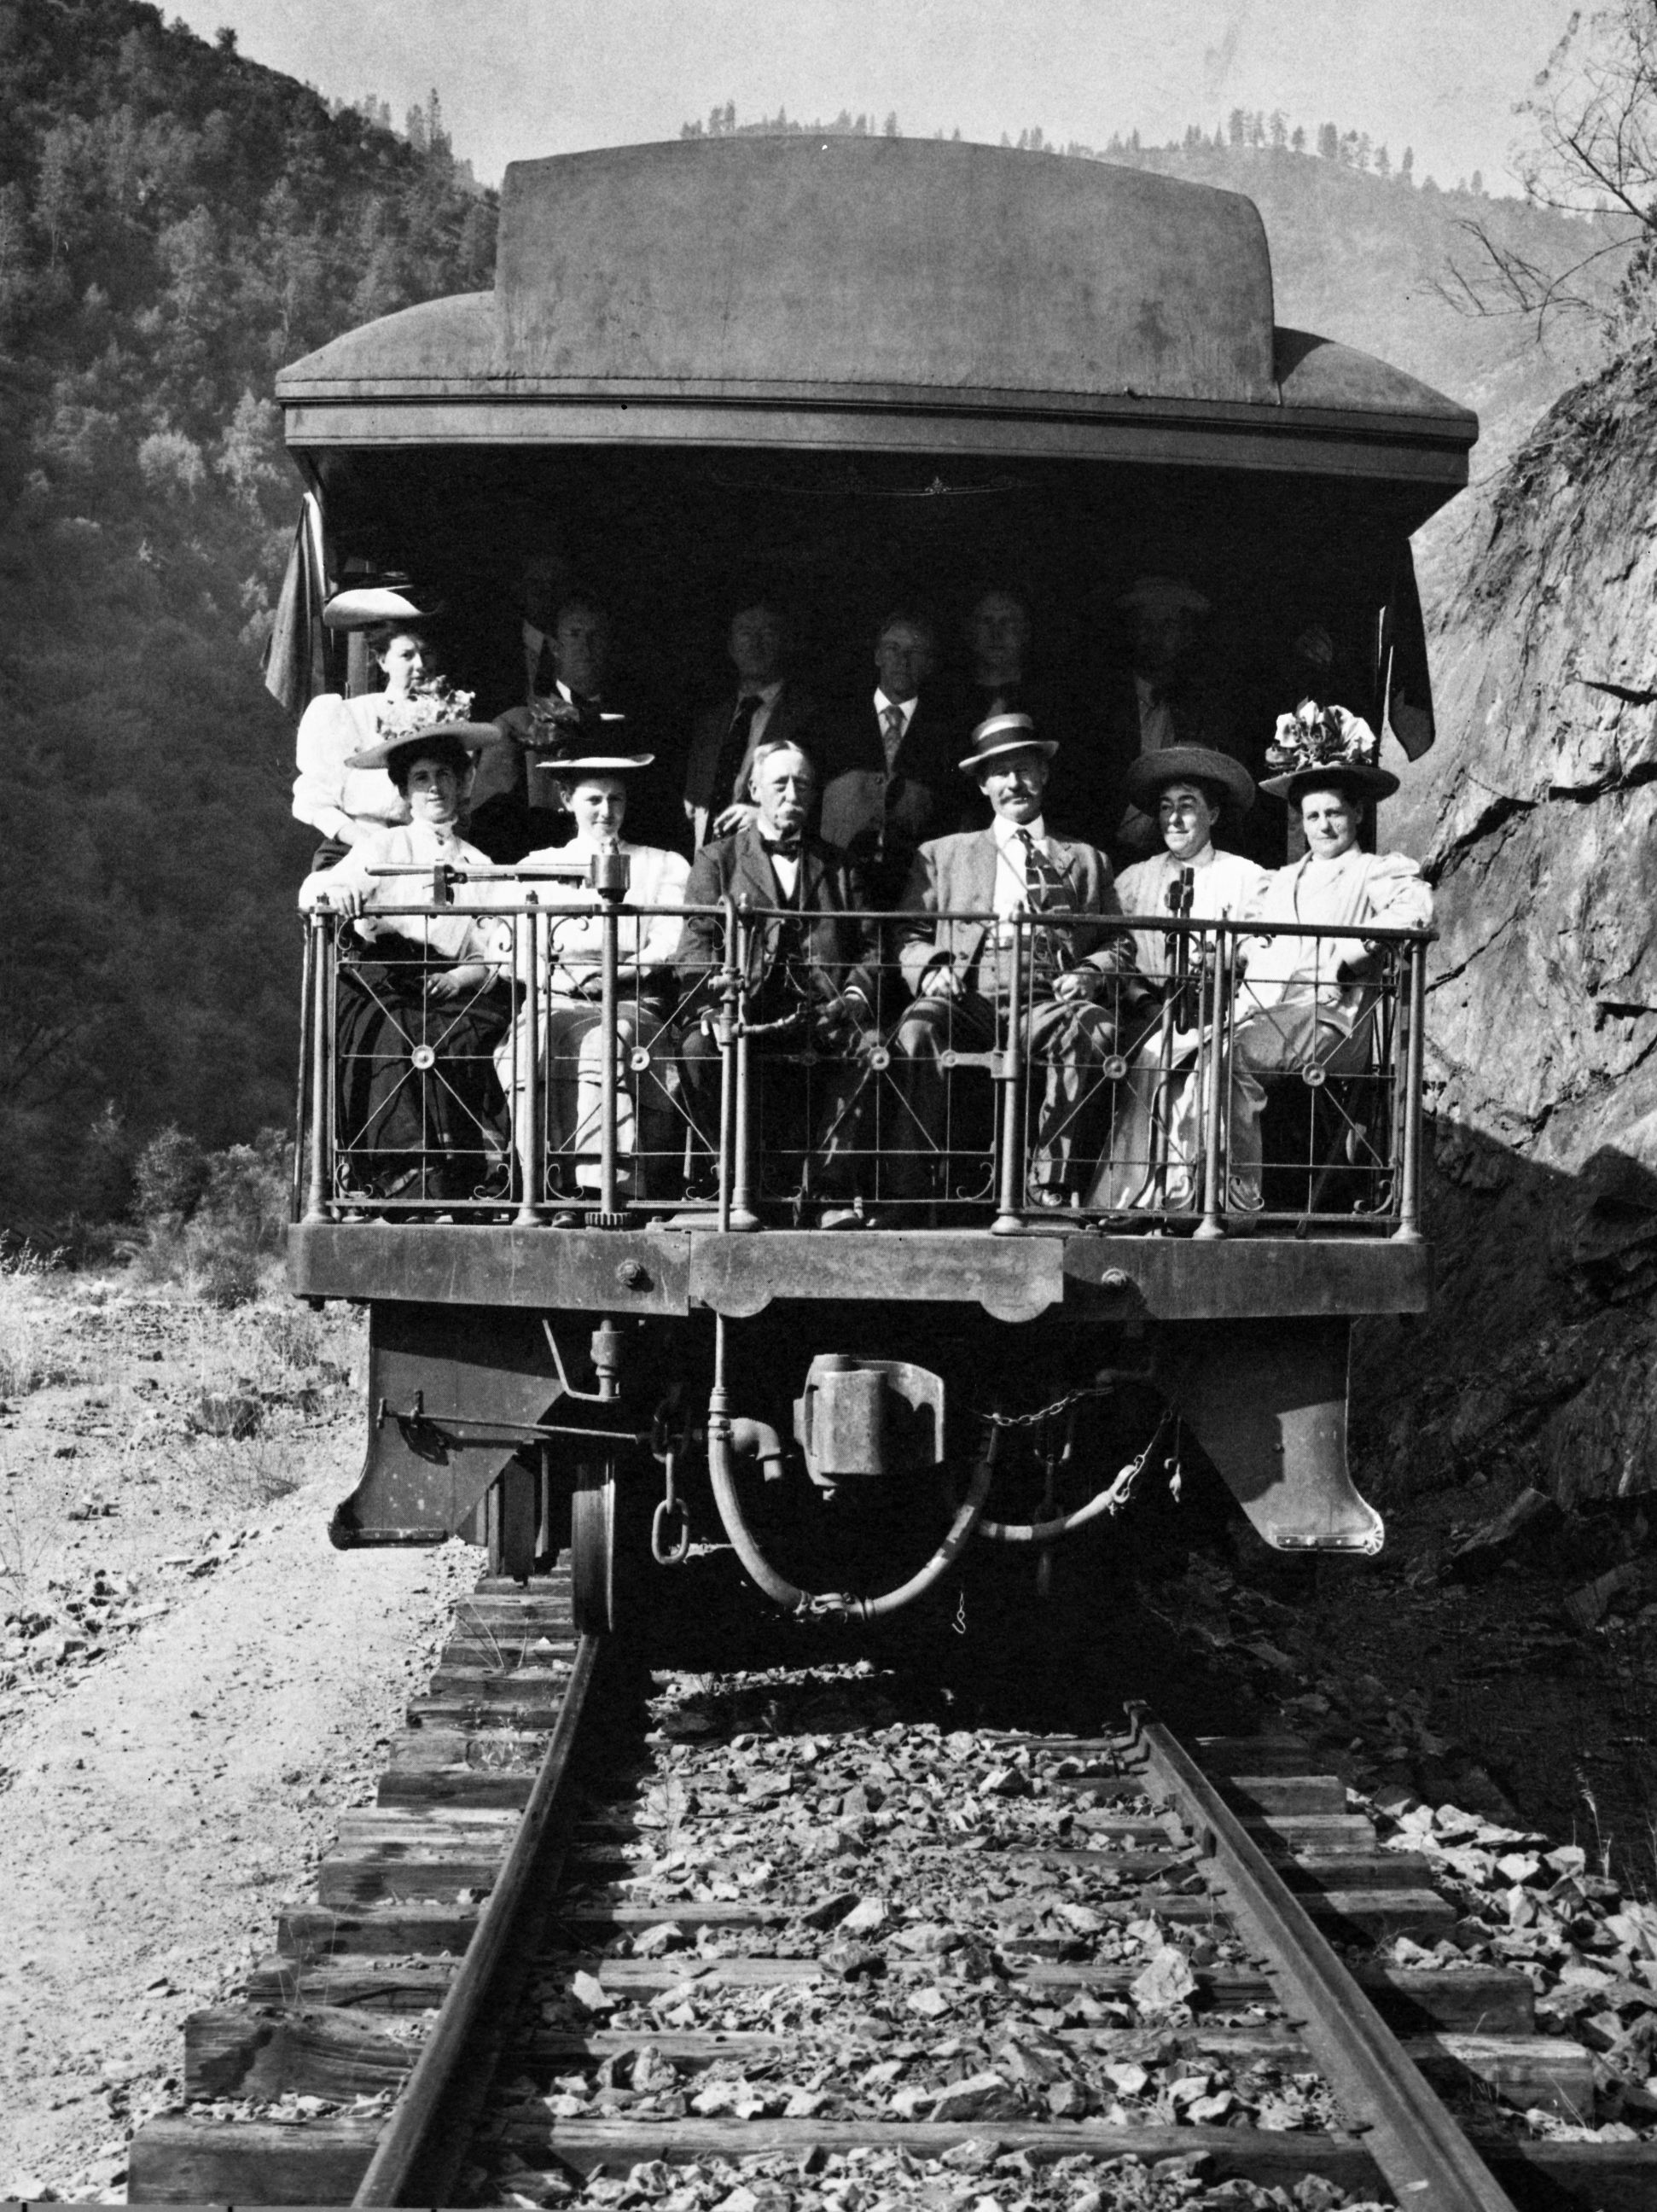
x: 1535, y: 816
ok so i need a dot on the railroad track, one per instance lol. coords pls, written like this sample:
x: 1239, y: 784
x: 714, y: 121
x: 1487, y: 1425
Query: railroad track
x: 780, y: 1935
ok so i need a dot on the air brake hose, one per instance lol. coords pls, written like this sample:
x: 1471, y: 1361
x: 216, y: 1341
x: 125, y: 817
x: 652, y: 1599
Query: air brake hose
x: 729, y: 1440
x: 1110, y: 1499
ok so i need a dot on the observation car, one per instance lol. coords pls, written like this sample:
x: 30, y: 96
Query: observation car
x: 882, y: 370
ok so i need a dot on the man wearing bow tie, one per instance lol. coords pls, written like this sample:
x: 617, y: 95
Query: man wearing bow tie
x: 768, y: 703
x: 1031, y: 895
x: 810, y: 990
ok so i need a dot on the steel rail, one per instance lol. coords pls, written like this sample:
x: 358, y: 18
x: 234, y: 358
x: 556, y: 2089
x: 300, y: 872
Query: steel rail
x: 399, y: 2172
x: 1426, y: 2160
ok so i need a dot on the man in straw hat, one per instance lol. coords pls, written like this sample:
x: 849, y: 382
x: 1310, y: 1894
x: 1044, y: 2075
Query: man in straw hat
x: 1189, y: 791
x: 1304, y: 996
x: 588, y: 775
x: 1023, y: 882
x: 419, y: 1010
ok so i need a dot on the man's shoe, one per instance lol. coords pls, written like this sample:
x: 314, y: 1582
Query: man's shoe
x: 842, y: 1216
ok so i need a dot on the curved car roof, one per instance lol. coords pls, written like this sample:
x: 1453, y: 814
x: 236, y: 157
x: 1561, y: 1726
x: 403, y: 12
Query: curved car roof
x: 868, y: 293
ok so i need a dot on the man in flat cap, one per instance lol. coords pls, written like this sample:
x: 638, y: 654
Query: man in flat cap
x: 1050, y: 898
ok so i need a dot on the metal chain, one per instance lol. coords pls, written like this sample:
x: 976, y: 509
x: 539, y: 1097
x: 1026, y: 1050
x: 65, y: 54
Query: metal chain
x: 1047, y: 1412
x: 665, y: 1447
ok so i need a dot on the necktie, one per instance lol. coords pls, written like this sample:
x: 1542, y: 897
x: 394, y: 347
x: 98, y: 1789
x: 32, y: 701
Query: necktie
x: 1044, y: 884
x: 733, y: 751
x: 891, y: 723
x: 789, y: 847
x: 1046, y: 891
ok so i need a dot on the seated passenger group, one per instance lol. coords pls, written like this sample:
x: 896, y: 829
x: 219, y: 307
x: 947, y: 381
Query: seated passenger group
x: 897, y: 930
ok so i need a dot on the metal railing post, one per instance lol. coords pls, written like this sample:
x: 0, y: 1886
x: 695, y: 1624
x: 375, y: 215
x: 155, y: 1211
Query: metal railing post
x: 320, y: 1041
x: 1005, y: 1070
x: 300, y: 1176
x: 1409, y: 1223
x: 1218, y: 1070
x: 610, y: 963
x: 740, y: 1066
x: 527, y: 1120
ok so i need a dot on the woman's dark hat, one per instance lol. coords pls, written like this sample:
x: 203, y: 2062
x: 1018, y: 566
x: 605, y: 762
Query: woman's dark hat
x: 1152, y: 773
x: 1325, y: 748
x: 474, y: 735
x: 1005, y: 733
x: 392, y: 597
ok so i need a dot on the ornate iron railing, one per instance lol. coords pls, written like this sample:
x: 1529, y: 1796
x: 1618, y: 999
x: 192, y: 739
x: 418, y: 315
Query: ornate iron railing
x: 1272, y: 1076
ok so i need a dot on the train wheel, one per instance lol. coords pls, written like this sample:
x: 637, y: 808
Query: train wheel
x: 593, y: 1547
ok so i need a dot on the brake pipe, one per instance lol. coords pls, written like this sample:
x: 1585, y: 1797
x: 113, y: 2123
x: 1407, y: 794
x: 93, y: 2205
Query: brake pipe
x: 728, y: 1440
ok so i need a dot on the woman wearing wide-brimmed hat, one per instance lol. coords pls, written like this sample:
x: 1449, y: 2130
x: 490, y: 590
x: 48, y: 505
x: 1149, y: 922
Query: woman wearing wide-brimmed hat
x: 340, y: 798
x: 420, y: 1008
x: 588, y: 773
x: 1303, y: 996
x: 1192, y: 792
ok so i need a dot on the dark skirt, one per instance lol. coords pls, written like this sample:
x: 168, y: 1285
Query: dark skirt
x: 421, y: 1111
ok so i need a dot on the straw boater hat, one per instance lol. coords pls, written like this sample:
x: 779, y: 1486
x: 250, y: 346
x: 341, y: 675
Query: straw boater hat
x: 366, y: 601
x: 585, y: 748
x: 1005, y: 733
x: 1325, y: 748
x: 476, y: 737
x: 1152, y: 773
x: 430, y: 710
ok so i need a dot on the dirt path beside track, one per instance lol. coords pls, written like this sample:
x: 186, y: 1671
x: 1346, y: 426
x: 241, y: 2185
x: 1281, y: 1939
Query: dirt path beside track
x: 159, y: 1804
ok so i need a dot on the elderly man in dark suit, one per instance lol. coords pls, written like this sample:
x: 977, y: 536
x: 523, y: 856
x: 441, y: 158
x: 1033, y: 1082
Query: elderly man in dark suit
x: 810, y: 991
x: 768, y: 703
x: 891, y: 780
x: 1033, y: 896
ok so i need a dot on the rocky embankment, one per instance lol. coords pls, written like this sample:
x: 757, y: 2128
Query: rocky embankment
x: 1535, y: 817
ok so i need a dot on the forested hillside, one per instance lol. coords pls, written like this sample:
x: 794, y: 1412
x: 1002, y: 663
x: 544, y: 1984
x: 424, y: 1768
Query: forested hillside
x: 175, y: 222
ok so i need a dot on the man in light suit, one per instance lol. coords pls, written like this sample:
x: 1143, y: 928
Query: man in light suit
x: 810, y: 990
x: 891, y: 779
x: 768, y: 703
x: 1010, y: 877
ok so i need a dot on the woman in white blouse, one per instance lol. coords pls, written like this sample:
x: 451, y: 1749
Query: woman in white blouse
x: 594, y: 788
x: 341, y: 799
x: 1304, y: 996
x: 1190, y: 792
x: 420, y: 1006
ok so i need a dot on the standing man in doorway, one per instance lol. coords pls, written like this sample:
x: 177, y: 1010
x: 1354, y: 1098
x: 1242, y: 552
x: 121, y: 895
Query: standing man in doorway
x: 767, y: 704
x: 891, y: 777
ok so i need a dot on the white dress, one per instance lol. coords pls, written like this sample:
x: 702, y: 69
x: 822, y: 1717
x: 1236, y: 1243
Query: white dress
x: 1156, y: 1154
x: 1300, y: 1005
x: 571, y: 1043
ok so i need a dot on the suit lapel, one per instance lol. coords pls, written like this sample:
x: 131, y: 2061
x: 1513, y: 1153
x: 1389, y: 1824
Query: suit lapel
x: 753, y: 871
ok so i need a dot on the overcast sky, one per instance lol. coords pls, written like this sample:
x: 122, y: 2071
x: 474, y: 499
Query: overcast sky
x: 524, y: 77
